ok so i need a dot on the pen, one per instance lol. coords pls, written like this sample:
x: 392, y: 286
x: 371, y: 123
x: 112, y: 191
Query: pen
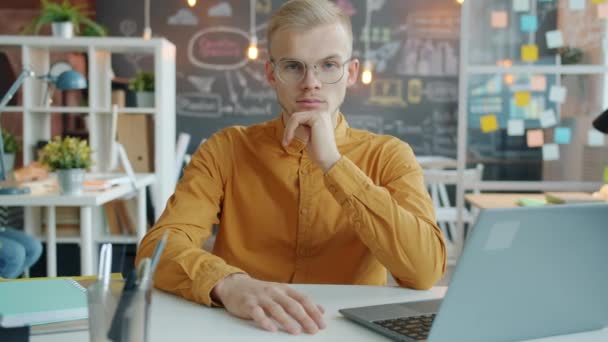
x: 114, y: 333
x: 160, y: 246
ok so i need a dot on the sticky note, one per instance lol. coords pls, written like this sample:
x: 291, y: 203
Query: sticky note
x: 577, y: 4
x: 547, y: 118
x: 515, y: 127
x: 595, y: 138
x: 535, y: 138
x: 606, y: 174
x: 598, y: 1
x: 550, y: 152
x: 528, y: 23
x: 529, y: 53
x: 538, y: 83
x: 500, y: 19
x: 555, y: 39
x: 562, y: 135
x: 521, y: 5
x: 488, y: 123
x: 602, y: 10
x: 557, y: 94
x: 522, y: 98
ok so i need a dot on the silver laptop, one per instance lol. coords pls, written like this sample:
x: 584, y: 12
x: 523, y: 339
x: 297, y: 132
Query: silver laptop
x: 525, y: 273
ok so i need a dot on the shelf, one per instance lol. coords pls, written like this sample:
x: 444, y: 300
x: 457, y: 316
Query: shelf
x: 126, y: 110
x: 101, y: 239
x: 12, y: 109
x: 579, y: 69
x: 57, y: 109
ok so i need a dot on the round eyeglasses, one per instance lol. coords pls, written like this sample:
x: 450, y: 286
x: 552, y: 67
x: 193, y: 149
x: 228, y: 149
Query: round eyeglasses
x: 292, y: 71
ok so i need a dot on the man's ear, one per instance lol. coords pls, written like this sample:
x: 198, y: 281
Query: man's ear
x: 272, y: 81
x: 353, y: 72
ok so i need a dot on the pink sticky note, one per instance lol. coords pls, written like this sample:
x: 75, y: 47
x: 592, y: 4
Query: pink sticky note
x: 499, y: 19
x: 535, y: 138
x: 602, y: 10
x: 538, y: 83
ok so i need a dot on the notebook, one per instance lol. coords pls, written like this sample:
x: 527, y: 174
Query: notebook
x: 33, y: 302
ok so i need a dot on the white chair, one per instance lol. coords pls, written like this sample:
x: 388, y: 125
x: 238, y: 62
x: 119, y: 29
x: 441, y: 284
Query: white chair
x: 446, y: 213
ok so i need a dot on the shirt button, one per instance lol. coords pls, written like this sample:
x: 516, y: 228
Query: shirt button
x: 357, y: 224
x: 303, y: 211
x: 332, y: 189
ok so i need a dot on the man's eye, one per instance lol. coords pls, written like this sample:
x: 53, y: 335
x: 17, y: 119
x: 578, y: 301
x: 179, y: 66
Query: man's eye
x: 292, y: 66
x: 330, y: 65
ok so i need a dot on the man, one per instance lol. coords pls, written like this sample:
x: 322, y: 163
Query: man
x: 299, y: 199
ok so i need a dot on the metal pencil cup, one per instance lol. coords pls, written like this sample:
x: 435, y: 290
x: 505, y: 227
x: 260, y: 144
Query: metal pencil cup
x: 102, y: 308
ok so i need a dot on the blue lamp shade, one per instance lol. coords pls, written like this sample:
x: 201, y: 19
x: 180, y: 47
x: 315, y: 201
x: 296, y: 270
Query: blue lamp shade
x: 71, y: 80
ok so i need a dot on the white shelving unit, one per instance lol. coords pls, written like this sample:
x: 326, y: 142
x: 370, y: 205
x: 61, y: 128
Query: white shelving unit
x: 36, y: 53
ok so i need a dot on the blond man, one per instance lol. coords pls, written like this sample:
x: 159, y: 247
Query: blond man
x: 303, y: 198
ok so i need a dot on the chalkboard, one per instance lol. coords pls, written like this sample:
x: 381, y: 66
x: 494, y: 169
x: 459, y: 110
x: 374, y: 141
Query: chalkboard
x: 414, y: 45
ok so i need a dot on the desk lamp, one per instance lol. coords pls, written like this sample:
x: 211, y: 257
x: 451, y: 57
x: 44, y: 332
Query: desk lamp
x: 66, y: 80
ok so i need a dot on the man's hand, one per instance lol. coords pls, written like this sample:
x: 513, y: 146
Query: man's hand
x: 269, y: 303
x: 316, y: 129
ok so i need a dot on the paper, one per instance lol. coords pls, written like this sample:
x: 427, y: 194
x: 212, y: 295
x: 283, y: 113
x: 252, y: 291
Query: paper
x: 535, y: 138
x: 499, y: 19
x: 529, y: 53
x: 515, y: 127
x: 489, y: 123
x: 602, y: 10
x: 521, y: 5
x: 528, y: 23
x: 547, y: 118
x: 502, y: 234
x: 550, y: 152
x: 562, y: 135
x: 577, y: 4
x: 555, y: 39
x: 557, y: 94
x: 595, y: 138
x: 522, y: 98
x: 538, y: 83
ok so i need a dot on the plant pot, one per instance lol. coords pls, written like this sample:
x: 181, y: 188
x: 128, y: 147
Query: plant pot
x: 70, y: 181
x: 144, y: 98
x: 63, y: 29
x: 9, y: 161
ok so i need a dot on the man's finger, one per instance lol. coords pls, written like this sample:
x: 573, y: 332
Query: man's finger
x: 276, y: 311
x: 314, y: 311
x: 292, y: 124
x: 297, y: 311
x: 259, y: 316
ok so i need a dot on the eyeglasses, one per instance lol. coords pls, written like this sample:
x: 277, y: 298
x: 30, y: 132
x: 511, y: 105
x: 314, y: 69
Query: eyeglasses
x: 292, y: 71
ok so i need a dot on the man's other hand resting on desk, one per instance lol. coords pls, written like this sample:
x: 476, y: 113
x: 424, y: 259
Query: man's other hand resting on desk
x: 264, y: 302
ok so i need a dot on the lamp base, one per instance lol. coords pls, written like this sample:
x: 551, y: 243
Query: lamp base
x: 14, y: 191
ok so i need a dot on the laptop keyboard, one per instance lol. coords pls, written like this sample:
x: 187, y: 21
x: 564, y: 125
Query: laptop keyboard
x: 416, y: 327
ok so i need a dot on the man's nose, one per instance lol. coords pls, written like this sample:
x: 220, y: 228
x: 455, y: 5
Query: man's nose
x: 311, y: 78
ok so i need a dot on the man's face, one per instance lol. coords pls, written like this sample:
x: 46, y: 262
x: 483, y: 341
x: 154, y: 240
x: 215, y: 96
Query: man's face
x: 325, y: 46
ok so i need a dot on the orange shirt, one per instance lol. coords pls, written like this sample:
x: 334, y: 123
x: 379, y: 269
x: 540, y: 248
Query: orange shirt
x: 282, y: 219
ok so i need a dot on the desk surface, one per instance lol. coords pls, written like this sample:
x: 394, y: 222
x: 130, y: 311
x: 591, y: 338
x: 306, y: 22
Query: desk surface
x: 175, y: 319
x: 499, y: 200
x: 87, y: 198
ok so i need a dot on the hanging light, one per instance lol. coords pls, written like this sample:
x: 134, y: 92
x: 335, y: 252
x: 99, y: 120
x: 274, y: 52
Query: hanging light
x: 366, y: 75
x: 252, y: 51
x: 460, y: 1
x: 191, y: 3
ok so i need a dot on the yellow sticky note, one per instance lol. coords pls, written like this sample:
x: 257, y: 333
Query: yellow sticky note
x: 489, y: 123
x: 598, y: 1
x: 535, y: 138
x: 522, y: 98
x: 606, y: 174
x: 529, y: 53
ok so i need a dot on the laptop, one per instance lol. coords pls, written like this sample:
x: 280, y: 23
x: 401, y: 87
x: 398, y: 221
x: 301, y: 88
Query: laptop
x: 524, y: 273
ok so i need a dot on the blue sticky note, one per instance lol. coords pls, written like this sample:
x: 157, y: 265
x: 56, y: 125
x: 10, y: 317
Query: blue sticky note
x: 563, y: 135
x: 529, y: 23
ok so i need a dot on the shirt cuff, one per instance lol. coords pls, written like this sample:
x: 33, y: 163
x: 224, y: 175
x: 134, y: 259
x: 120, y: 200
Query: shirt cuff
x: 345, y: 179
x: 208, y: 277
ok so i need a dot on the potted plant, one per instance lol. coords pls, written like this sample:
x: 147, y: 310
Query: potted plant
x: 10, y: 149
x: 65, y: 19
x: 70, y: 157
x: 143, y: 86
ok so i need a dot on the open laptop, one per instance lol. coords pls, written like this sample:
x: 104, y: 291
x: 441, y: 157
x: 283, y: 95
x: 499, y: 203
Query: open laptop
x: 525, y: 273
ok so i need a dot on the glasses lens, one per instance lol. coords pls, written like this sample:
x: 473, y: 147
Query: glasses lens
x: 329, y: 71
x: 291, y: 71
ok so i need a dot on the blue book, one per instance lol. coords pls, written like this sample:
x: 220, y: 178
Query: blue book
x: 33, y: 302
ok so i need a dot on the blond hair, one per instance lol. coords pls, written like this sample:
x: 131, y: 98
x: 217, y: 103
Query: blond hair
x: 302, y: 15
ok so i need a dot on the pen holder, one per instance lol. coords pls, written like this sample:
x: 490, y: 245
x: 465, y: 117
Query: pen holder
x: 102, y: 307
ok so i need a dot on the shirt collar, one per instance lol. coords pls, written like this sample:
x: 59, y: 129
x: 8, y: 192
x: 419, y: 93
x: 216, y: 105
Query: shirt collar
x: 298, y: 145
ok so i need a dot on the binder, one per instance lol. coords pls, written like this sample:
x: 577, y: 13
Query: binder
x: 41, y: 301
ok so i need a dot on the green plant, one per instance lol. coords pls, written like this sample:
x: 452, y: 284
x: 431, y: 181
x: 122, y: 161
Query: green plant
x: 9, y: 141
x: 571, y: 55
x: 66, y: 153
x: 143, y: 81
x: 61, y: 12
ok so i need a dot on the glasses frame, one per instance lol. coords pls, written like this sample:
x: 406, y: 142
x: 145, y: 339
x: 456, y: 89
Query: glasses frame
x: 316, y: 71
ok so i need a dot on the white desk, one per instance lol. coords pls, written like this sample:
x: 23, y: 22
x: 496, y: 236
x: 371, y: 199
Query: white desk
x: 86, y: 201
x: 175, y: 319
